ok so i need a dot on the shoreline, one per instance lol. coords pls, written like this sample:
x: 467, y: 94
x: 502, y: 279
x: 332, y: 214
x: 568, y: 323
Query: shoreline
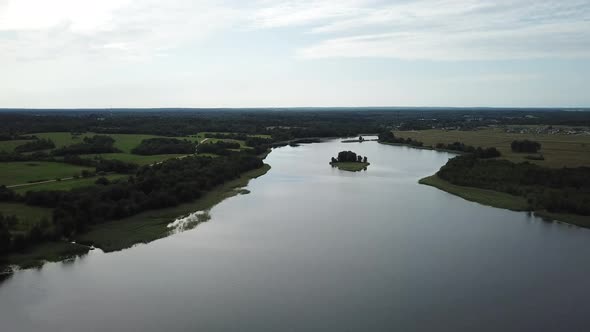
x: 501, y: 200
x: 121, y: 234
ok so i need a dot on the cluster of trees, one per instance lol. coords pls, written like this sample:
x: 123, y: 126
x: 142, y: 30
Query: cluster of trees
x: 162, y: 185
x: 479, y: 152
x: 114, y: 165
x: 557, y: 190
x: 162, y: 145
x: 102, y: 165
x: 525, y: 146
x: 349, y: 156
x: 94, y: 144
x: 35, y: 145
x: 220, y: 147
x: 389, y: 137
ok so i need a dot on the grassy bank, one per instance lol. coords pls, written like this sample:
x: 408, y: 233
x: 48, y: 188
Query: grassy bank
x: 44, y: 252
x: 27, y: 215
x: 350, y: 166
x: 483, y: 196
x: 500, y: 200
x: 152, y: 225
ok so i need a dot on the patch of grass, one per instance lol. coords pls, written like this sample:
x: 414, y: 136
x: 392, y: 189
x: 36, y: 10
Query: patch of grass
x: 27, y: 215
x: 559, y: 150
x: 18, y: 172
x: 134, y: 158
x: 350, y: 166
x: 483, y: 196
x: 44, y: 252
x: 65, y: 184
x: 8, y: 146
x: 152, y: 225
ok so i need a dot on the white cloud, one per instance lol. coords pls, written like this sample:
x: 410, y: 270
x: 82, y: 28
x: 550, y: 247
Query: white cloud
x: 128, y: 29
x: 422, y: 29
x: 439, y: 29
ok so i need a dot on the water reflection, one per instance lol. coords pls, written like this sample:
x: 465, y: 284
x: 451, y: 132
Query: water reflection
x: 312, y: 248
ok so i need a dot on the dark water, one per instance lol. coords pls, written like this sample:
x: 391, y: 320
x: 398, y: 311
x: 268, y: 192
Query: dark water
x: 313, y: 248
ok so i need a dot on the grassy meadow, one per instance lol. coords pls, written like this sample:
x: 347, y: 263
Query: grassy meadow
x: 65, y: 184
x: 15, y: 173
x: 21, y: 172
x: 559, y: 150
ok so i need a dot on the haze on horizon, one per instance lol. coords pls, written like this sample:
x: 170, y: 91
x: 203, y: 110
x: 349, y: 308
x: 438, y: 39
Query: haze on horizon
x: 183, y: 53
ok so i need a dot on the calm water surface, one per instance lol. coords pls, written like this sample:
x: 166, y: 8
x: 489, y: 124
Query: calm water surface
x: 313, y: 248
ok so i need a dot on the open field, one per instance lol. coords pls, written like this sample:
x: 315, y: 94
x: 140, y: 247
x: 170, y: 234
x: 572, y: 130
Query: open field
x: 8, y: 146
x: 65, y: 184
x: 27, y: 215
x: 134, y: 158
x: 350, y: 166
x: 559, y: 150
x: 152, y: 225
x: 17, y: 172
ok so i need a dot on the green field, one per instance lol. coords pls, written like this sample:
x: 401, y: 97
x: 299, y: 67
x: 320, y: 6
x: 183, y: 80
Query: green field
x: 152, y: 225
x: 351, y: 166
x: 19, y: 172
x: 27, y: 215
x: 8, y: 146
x: 65, y: 184
x: 13, y: 173
x: 559, y: 150
x: 134, y: 158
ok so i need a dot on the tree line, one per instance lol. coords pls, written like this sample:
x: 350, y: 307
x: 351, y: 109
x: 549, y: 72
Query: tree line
x: 349, y: 156
x: 164, y: 145
x: 564, y: 190
x: 94, y: 144
x: 388, y: 137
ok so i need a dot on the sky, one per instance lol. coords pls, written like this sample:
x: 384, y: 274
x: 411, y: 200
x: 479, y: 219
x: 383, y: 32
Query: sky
x: 201, y: 53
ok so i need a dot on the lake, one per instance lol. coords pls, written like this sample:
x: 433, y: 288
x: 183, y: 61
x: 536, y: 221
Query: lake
x: 313, y: 248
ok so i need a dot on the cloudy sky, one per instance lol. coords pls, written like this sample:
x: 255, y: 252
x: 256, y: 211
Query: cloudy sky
x: 201, y: 53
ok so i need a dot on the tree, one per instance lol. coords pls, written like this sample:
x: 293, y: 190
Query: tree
x: 346, y: 156
x: 525, y: 146
x: 334, y: 160
x: 359, y: 158
x: 365, y: 159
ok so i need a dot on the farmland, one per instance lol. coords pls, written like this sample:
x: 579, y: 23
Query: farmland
x: 559, y: 150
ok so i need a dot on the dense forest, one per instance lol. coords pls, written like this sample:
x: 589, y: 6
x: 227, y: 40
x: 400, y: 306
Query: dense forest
x: 564, y: 190
x: 283, y: 125
x: 162, y: 145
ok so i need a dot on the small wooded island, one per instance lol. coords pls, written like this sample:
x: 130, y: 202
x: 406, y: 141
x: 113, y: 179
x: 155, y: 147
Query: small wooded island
x: 350, y: 161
